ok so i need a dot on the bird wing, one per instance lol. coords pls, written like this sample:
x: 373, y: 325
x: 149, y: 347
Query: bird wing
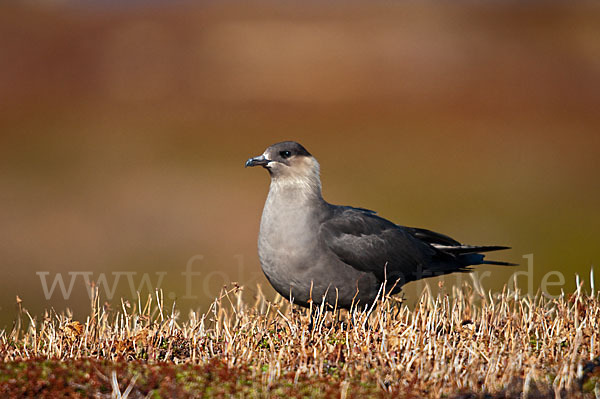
x: 370, y: 243
x: 432, y: 237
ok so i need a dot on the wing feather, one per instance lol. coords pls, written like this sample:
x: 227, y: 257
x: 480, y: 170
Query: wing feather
x: 370, y: 243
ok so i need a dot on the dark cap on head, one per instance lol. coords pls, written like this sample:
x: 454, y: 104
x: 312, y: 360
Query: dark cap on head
x: 292, y: 147
x: 279, y: 152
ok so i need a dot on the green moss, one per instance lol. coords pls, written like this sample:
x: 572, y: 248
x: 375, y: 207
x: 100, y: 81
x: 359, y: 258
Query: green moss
x: 590, y: 384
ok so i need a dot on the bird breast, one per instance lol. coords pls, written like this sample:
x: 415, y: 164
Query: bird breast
x: 288, y: 233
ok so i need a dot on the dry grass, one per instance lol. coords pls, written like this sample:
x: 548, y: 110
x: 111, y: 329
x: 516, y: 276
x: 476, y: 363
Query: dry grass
x: 463, y: 343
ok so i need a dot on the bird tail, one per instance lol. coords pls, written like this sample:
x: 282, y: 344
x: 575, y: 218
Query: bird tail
x: 499, y: 263
x: 469, y: 249
x: 472, y: 254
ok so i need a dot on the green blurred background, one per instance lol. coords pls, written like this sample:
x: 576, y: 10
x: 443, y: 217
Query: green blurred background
x: 124, y: 130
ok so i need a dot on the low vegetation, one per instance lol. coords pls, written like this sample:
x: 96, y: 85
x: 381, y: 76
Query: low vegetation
x: 464, y: 343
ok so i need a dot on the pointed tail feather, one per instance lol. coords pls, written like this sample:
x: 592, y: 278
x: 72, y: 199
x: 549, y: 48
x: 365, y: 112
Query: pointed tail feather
x: 499, y: 263
x: 469, y: 249
x: 472, y: 254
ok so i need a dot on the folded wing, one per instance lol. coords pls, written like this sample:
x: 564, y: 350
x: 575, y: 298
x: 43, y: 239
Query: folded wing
x: 372, y: 244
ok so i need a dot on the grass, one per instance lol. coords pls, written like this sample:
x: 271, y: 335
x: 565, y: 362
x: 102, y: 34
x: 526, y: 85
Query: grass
x: 465, y: 343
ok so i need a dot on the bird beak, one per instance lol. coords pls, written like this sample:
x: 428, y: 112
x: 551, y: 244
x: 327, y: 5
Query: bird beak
x: 257, y: 161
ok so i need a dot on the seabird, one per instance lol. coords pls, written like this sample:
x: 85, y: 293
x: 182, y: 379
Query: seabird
x: 311, y: 250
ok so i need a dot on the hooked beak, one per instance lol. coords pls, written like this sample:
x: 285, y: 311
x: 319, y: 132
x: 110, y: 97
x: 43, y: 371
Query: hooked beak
x: 257, y: 161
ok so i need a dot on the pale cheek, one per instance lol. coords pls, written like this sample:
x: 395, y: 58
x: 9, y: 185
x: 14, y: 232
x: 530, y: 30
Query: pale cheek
x: 279, y: 167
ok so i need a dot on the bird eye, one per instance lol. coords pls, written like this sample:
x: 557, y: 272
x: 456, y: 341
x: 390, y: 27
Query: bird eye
x: 285, y: 154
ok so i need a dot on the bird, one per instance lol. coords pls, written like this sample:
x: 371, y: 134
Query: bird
x: 312, y: 251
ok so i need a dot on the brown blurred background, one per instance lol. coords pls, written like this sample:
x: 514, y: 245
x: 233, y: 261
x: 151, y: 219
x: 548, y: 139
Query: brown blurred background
x: 124, y: 130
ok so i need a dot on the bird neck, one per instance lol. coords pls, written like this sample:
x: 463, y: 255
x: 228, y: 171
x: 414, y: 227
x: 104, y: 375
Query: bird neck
x: 296, y: 189
x: 292, y: 208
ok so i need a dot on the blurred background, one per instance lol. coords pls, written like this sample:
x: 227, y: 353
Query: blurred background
x: 124, y: 130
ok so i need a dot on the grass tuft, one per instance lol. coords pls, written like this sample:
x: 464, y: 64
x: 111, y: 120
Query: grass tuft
x: 463, y: 344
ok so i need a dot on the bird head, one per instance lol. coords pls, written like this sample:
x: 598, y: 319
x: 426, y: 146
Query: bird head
x: 287, y: 158
x: 291, y: 166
